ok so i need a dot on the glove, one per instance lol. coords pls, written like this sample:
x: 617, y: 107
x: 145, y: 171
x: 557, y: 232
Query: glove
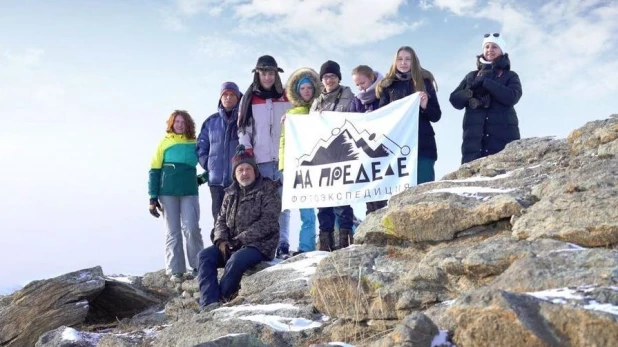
x: 478, y: 82
x: 154, y: 206
x: 235, y: 244
x: 226, y: 250
x: 483, y: 101
x: 202, y: 178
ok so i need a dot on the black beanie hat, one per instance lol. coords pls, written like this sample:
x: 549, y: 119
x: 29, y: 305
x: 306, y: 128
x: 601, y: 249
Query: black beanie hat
x: 330, y: 67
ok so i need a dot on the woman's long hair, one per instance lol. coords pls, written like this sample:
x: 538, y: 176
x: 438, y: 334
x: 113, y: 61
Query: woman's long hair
x: 418, y: 74
x: 189, y: 123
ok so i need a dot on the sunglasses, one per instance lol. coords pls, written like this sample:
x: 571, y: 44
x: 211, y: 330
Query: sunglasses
x: 494, y: 35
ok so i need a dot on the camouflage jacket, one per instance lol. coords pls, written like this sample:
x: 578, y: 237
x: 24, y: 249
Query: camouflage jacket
x: 251, y: 216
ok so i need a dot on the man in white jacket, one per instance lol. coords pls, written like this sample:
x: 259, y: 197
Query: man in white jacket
x: 259, y: 129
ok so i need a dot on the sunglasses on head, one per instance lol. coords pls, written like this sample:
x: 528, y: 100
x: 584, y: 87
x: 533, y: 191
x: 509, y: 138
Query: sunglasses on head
x: 494, y: 35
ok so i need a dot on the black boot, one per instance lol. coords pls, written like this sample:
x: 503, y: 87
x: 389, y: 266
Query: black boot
x: 346, y: 238
x: 326, y: 241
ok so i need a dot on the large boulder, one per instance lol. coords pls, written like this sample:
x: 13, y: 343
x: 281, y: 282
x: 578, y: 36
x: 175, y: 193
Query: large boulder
x: 578, y: 206
x: 121, y: 298
x: 560, y: 268
x: 45, y: 305
x: 479, y: 259
x: 596, y: 138
x: 368, y: 282
x: 551, y: 153
x: 489, y: 317
x: 443, y: 210
x: 288, y: 281
x: 415, y: 330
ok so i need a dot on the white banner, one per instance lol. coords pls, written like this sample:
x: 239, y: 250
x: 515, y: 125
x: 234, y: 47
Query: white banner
x: 339, y: 158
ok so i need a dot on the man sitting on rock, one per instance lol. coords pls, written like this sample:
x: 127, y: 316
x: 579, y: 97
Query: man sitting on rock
x: 246, y: 231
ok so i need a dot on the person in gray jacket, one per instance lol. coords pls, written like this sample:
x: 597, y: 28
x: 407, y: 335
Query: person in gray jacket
x: 334, y: 97
x: 259, y: 129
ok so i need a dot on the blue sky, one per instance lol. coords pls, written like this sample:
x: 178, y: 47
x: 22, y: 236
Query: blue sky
x: 86, y: 86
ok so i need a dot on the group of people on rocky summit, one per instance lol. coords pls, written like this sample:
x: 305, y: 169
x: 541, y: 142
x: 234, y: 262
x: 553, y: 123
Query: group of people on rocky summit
x: 240, y: 148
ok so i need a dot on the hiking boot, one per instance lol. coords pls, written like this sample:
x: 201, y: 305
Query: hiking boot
x: 346, y: 238
x: 295, y: 253
x: 283, y: 252
x: 191, y: 275
x: 177, y: 278
x: 326, y: 241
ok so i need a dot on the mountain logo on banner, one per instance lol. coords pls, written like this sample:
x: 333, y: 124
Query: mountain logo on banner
x: 347, y: 143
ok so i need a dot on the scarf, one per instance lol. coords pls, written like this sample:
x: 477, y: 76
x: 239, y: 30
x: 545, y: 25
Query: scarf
x: 403, y: 76
x: 501, y: 63
x: 245, y: 112
x: 267, y: 94
x: 368, y: 96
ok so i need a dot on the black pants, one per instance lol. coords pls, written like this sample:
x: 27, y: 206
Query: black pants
x: 216, y: 194
x: 326, y: 217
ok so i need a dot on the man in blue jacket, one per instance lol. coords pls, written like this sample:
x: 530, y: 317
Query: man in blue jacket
x: 216, y: 145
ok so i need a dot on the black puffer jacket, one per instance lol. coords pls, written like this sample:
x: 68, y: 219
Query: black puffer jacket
x: 426, y: 136
x: 486, y: 131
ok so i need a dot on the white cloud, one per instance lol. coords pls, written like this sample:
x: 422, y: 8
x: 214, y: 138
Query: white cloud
x: 458, y: 7
x: 212, y: 7
x: 172, y: 21
x: 556, y: 42
x: 191, y: 7
x: 327, y: 23
x: 424, y: 4
x: 218, y: 46
x: 28, y: 58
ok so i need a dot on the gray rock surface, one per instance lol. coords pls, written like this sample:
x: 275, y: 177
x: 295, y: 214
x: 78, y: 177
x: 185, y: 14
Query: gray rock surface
x: 415, y: 330
x: 560, y: 269
x: 575, y: 206
x: 490, y: 317
x: 518, y: 248
x: 45, y: 305
x: 121, y: 300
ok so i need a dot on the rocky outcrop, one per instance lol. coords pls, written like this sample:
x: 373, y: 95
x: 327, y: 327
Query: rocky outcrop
x: 519, y: 248
x: 121, y: 298
x: 69, y: 337
x: 464, y: 202
x: 414, y: 330
x: 365, y: 283
x: 45, y: 305
x: 84, y: 297
x: 561, y: 268
x: 490, y: 317
x: 598, y: 138
x: 572, y: 206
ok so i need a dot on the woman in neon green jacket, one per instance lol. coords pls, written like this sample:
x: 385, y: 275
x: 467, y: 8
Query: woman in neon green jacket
x: 172, y: 186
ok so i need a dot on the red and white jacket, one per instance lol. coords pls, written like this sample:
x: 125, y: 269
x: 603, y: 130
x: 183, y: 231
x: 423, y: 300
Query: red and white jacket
x: 265, y: 128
